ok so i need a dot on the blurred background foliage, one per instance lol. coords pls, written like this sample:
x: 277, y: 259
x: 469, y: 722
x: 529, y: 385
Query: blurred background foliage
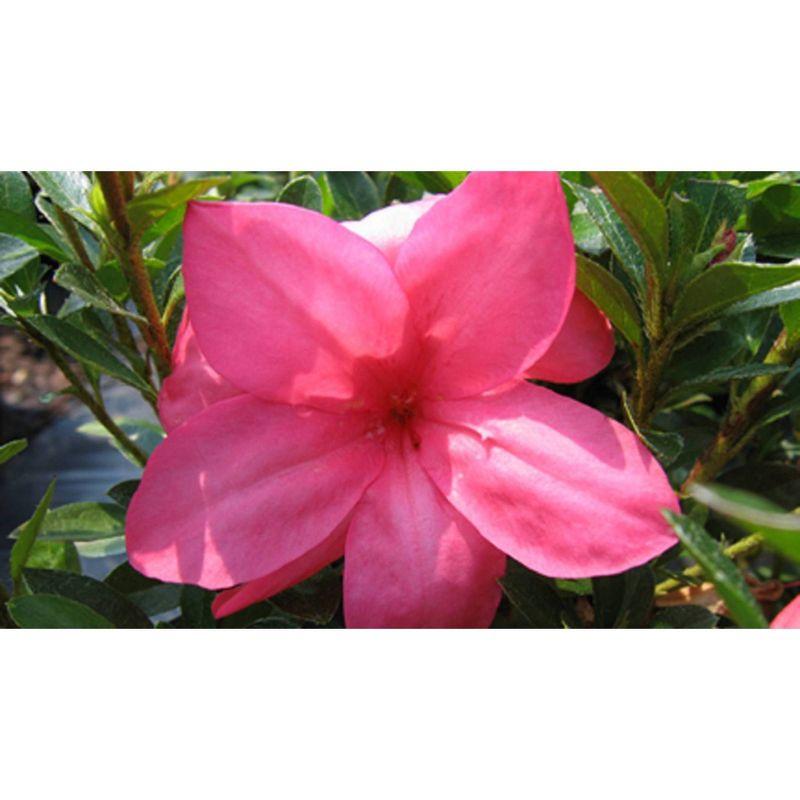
x: 699, y: 273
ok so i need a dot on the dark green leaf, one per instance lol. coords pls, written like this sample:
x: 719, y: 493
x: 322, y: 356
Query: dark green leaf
x: 91, y: 593
x: 727, y: 374
x: 720, y: 205
x: 614, y: 232
x: 641, y: 211
x: 623, y: 601
x: 304, y: 192
x: 274, y: 621
x: 51, y: 611
x: 685, y: 226
x: 684, y: 617
x: 14, y: 255
x: 611, y: 297
x: 28, y: 533
x: 724, y: 284
x: 314, y: 600
x: 85, y: 284
x: 15, y: 195
x: 122, y: 493
x: 534, y: 597
x: 720, y: 570
x: 354, y: 194
x: 47, y: 554
x: 87, y: 350
x: 10, y: 449
x: 145, y: 210
x: 196, y: 607
x: 434, y: 182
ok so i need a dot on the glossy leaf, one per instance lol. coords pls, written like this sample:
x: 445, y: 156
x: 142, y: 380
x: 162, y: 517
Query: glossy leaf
x: 15, y: 195
x: 611, y: 297
x: 122, y: 493
x: 720, y: 205
x: 32, y: 234
x: 614, y: 232
x: 641, y: 211
x: 14, y: 255
x: 354, y: 194
x: 724, y: 284
x: 10, y: 449
x: 303, y: 191
x: 88, y: 350
x: 52, y: 611
x: 85, y: 285
x: 315, y: 599
x: 146, y: 209
x: 719, y: 569
x: 94, y: 594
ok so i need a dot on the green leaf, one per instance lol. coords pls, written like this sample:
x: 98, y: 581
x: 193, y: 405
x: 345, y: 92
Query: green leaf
x: 79, y: 522
x: 434, y: 182
x: 52, y: 611
x: 47, y: 554
x: 641, y: 211
x: 102, y: 548
x: 753, y: 513
x: 623, y: 601
x: 790, y: 315
x: 87, y: 350
x: 314, y: 600
x: 70, y: 190
x: 151, y: 596
x: 122, y: 493
x: 93, y: 594
x: 728, y: 374
x: 14, y: 255
x: 720, y: 205
x: 274, y: 621
x: 196, y: 607
x: 354, y: 193
x: 10, y: 449
x: 684, y: 617
x: 534, y: 597
x: 614, y: 232
x: 769, y: 299
x: 685, y: 226
x: 147, y: 435
x: 304, y: 192
x: 32, y: 234
x: 611, y: 297
x: 588, y: 237
x: 719, y: 569
x: 15, y: 195
x: 85, y: 284
x: 145, y: 210
x: 28, y: 533
x: 724, y: 284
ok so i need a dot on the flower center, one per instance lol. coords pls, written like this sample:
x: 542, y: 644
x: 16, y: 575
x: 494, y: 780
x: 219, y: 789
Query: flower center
x: 402, y: 407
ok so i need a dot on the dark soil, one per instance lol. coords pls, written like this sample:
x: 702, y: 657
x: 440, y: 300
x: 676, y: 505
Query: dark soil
x: 29, y: 382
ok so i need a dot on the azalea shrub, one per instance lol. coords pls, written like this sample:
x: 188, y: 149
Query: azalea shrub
x: 416, y: 399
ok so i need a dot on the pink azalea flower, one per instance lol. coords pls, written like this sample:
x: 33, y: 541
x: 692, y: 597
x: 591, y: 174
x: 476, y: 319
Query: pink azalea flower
x: 357, y: 389
x: 789, y: 617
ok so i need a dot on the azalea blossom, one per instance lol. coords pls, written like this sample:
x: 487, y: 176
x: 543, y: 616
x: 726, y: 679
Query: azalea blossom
x: 359, y: 389
x: 789, y: 617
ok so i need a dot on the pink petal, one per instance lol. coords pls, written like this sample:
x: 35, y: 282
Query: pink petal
x: 551, y: 482
x: 489, y: 271
x: 412, y: 561
x: 583, y: 347
x: 290, y: 305
x: 387, y: 228
x: 246, y: 487
x: 232, y: 600
x: 789, y: 617
x: 193, y: 384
